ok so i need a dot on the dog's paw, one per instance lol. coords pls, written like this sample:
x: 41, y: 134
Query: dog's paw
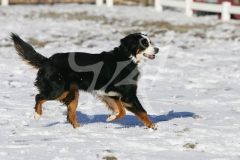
x: 37, y: 116
x: 152, y: 126
x: 111, y: 117
x: 75, y: 126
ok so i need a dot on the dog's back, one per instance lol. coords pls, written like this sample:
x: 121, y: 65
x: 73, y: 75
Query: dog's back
x: 113, y: 76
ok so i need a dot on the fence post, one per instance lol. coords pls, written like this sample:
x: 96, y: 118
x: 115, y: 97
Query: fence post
x: 109, y: 3
x: 225, y: 14
x: 188, y: 10
x: 5, y: 3
x: 158, y: 6
x: 99, y: 2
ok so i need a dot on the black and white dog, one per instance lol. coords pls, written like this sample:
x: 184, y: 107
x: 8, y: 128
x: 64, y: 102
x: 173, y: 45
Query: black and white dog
x: 112, y: 76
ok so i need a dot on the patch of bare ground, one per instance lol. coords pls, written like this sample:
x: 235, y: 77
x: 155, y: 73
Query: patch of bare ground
x: 31, y: 41
x: 197, y: 116
x: 189, y: 145
x: 154, y: 28
x: 78, y: 16
x: 6, y: 45
x: 181, y: 132
x: 165, y: 26
x: 109, y: 158
x: 38, y: 43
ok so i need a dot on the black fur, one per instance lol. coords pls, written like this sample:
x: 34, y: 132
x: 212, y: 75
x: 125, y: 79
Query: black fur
x: 27, y: 53
x: 61, y: 73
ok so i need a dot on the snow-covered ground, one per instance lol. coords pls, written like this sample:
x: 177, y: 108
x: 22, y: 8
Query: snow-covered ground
x: 191, y: 90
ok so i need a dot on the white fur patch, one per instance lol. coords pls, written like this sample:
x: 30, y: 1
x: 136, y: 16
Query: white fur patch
x: 37, y: 116
x: 150, y: 49
x: 103, y: 93
x: 140, y: 59
x: 154, y: 127
x: 111, y: 117
x: 146, y: 37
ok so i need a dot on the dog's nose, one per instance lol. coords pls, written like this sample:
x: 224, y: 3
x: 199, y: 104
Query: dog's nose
x: 156, y: 50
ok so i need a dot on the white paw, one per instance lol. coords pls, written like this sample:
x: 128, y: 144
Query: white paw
x: 111, y: 117
x: 37, y: 116
x: 154, y: 127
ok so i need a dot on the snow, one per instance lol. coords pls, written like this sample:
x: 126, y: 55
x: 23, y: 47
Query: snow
x: 191, y: 90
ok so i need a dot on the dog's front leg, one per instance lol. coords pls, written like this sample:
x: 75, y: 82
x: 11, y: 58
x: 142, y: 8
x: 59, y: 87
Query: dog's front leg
x: 115, y: 105
x: 136, y: 108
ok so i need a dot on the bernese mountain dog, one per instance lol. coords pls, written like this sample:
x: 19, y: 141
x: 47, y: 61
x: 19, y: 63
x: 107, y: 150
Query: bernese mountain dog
x: 112, y: 76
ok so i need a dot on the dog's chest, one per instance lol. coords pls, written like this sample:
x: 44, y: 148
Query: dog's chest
x: 140, y: 69
x: 102, y: 93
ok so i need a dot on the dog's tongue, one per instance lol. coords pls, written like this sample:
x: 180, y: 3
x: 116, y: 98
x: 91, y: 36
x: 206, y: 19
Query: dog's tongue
x: 149, y: 56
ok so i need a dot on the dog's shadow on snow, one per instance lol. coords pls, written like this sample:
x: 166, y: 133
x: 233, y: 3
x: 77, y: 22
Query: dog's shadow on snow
x: 130, y: 120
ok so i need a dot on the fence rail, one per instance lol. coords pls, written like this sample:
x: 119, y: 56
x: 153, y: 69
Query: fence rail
x: 7, y: 2
x: 234, y: 9
x: 206, y: 7
x: 226, y: 9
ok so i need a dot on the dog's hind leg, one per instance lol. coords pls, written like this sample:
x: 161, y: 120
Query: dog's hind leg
x: 40, y: 99
x: 115, y: 105
x: 38, y: 107
x: 71, y: 101
x: 72, y: 107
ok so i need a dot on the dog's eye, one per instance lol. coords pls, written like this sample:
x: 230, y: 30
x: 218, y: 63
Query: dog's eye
x: 145, y: 44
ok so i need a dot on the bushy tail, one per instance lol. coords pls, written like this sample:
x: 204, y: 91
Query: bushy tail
x: 27, y: 53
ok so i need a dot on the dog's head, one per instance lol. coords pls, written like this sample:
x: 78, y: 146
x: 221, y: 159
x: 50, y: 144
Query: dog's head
x: 138, y: 46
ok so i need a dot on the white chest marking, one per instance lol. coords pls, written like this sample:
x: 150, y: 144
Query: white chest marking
x: 102, y: 93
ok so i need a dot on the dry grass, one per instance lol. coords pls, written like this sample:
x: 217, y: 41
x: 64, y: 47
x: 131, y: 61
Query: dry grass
x: 154, y: 28
x: 38, y: 43
x: 189, y: 145
x: 109, y: 158
x: 78, y: 16
x: 145, y: 25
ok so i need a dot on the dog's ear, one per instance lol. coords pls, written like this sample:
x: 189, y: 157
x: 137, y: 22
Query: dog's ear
x: 129, y: 43
x: 126, y: 43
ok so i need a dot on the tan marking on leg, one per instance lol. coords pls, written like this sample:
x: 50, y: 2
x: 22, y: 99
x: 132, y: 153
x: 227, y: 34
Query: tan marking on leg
x: 121, y: 109
x: 125, y: 104
x: 72, y: 107
x: 145, y: 119
x: 115, y: 106
x: 62, y: 96
x: 39, y: 107
x: 38, y: 111
x: 107, y: 101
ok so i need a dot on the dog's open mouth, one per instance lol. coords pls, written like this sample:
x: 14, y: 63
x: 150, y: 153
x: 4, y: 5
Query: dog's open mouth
x: 149, y: 56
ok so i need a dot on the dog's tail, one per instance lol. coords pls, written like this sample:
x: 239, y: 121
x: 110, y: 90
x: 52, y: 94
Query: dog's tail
x: 27, y: 53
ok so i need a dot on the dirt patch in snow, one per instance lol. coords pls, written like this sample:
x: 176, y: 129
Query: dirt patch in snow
x: 144, y: 25
x: 189, y: 145
x: 153, y: 28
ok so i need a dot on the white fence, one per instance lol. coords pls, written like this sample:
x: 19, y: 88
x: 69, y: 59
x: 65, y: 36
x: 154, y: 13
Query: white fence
x: 226, y: 9
x: 109, y: 3
x: 5, y: 2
